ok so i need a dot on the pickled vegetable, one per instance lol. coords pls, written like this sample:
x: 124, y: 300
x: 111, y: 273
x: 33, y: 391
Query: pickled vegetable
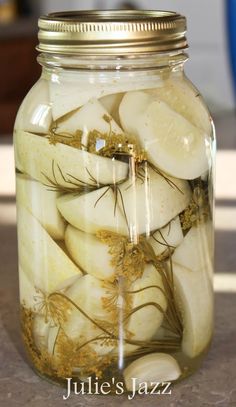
x: 61, y: 165
x: 151, y: 369
x: 115, y: 229
x: 35, y: 114
x: 50, y: 265
x: 172, y: 143
x: 41, y: 202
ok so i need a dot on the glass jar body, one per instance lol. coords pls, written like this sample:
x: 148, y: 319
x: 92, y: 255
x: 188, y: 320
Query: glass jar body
x: 114, y: 174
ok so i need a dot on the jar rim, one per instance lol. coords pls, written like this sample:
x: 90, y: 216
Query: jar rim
x: 112, y: 32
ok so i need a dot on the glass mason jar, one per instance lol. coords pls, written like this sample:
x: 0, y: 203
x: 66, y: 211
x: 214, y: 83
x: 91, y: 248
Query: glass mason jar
x: 114, y: 151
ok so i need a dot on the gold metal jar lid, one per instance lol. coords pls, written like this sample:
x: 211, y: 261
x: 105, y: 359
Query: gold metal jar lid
x: 112, y: 32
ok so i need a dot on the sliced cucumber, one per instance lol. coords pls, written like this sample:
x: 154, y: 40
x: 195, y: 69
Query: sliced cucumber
x: 196, y: 250
x: 172, y: 143
x: 151, y: 202
x: 111, y: 104
x: 194, y: 297
x: 69, y: 92
x: 41, y: 202
x: 91, y: 116
x: 168, y: 237
x: 147, y: 290
x: 193, y: 268
x: 92, y: 296
x: 40, y: 332
x: 182, y: 97
x: 35, y: 113
x: 87, y: 293
x: 89, y: 253
x: 44, y: 262
x: 28, y: 293
x: 64, y: 165
x: 93, y: 211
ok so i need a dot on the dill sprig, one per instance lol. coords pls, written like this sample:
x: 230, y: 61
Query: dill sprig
x: 72, y: 140
x: 73, y: 184
x: 198, y: 210
x: 107, y: 144
x: 55, y: 311
x: 129, y: 260
x: 66, y: 355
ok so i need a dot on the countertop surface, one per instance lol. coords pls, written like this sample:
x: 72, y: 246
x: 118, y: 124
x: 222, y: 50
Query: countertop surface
x: 214, y: 384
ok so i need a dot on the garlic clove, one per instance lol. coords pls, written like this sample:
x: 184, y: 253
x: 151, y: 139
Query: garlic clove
x: 51, y: 266
x: 93, y: 211
x: 168, y: 237
x: 41, y: 202
x: 150, y: 203
x: 194, y: 297
x: 35, y: 113
x: 167, y: 136
x: 64, y: 166
x: 152, y: 368
x: 89, y: 117
x: 89, y: 253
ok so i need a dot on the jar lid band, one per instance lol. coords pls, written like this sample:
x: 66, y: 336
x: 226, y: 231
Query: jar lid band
x: 112, y: 32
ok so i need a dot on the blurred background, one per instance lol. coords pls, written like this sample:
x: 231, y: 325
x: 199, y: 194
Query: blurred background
x: 212, y: 68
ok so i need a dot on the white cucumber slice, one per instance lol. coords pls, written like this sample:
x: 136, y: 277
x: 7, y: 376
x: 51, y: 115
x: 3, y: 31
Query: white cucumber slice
x: 144, y: 323
x: 150, y: 203
x: 35, y: 114
x: 69, y: 92
x: 91, y: 116
x: 67, y: 283
x: 196, y: 250
x: 93, y: 211
x: 169, y: 236
x: 44, y: 262
x: 132, y: 106
x: 40, y: 332
x: 151, y: 369
x: 87, y: 293
x: 51, y: 342
x: 112, y: 103
x: 172, y: 143
x: 46, y: 162
x: 41, y: 202
x: 194, y: 297
x: 89, y: 253
x: 182, y: 97
x: 193, y: 269
x: 91, y: 294
x: 28, y: 293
